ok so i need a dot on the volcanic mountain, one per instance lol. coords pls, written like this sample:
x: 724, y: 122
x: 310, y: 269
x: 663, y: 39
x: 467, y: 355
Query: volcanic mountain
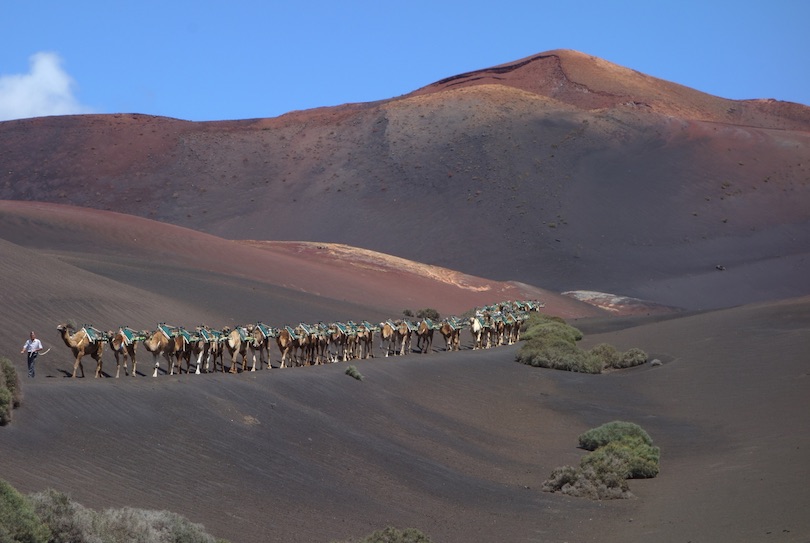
x: 560, y: 170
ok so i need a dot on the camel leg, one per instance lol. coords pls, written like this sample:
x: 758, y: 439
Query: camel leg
x: 98, y: 365
x: 78, y: 365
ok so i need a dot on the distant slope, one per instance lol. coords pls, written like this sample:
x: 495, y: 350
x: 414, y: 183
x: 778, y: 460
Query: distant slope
x: 560, y: 170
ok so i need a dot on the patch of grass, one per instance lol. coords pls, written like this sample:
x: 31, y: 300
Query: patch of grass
x: 392, y: 535
x: 352, y: 372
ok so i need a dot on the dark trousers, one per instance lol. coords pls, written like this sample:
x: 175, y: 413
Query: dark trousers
x: 32, y: 357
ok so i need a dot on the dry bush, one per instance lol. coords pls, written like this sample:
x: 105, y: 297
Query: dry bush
x: 392, y: 535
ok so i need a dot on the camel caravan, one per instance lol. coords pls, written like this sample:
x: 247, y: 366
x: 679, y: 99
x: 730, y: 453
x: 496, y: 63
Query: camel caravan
x: 247, y: 347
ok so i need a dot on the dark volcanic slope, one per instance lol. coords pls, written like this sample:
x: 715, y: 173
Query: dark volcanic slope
x: 455, y: 444
x: 559, y: 170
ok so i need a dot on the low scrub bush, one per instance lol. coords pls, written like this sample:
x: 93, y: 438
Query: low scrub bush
x: 632, y: 357
x: 19, y: 522
x: 586, y: 483
x: 630, y: 457
x: 352, y: 372
x: 428, y: 313
x: 607, y: 354
x: 5, y: 408
x: 612, y: 431
x: 620, y: 451
x: 52, y: 517
x: 392, y: 535
x: 549, y: 342
x: 9, y: 376
x: 538, y: 326
x: 10, y: 391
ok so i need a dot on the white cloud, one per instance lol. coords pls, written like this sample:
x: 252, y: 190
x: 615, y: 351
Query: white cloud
x: 46, y: 90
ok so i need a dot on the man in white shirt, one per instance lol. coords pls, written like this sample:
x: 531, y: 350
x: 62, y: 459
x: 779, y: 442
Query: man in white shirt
x: 32, y: 347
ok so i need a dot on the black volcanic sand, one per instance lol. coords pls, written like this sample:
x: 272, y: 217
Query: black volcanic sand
x: 455, y: 444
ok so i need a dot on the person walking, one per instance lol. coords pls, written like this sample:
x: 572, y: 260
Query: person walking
x: 32, y: 347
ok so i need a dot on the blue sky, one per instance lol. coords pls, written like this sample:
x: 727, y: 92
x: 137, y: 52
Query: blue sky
x: 216, y: 60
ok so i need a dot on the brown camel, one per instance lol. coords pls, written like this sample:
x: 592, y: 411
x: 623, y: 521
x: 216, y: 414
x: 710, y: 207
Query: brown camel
x: 451, y: 332
x: 160, y: 342
x: 336, y: 336
x: 365, y: 341
x: 236, y: 343
x: 259, y: 343
x: 387, y: 337
x: 424, y: 335
x: 402, y: 337
x: 123, y: 344
x: 209, y: 348
x: 285, y: 340
x: 81, y: 343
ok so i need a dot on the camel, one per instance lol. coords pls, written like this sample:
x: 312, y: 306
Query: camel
x: 336, y: 335
x: 450, y: 329
x: 123, y: 344
x: 306, y: 343
x: 364, y: 341
x: 387, y: 337
x: 480, y: 326
x: 205, y: 345
x: 402, y: 337
x: 83, y: 343
x: 160, y: 342
x: 320, y: 341
x: 185, y: 345
x: 424, y: 335
x: 236, y: 342
x: 284, y: 340
x: 258, y: 341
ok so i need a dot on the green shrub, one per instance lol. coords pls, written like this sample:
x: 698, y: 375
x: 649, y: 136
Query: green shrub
x: 5, y: 408
x: 352, y: 372
x: 393, y: 535
x: 621, y: 451
x: 18, y: 521
x: 71, y: 522
x: 545, y: 326
x: 608, y: 354
x: 64, y: 517
x: 629, y: 457
x: 612, y: 431
x: 428, y: 313
x: 8, y: 374
x: 632, y: 357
